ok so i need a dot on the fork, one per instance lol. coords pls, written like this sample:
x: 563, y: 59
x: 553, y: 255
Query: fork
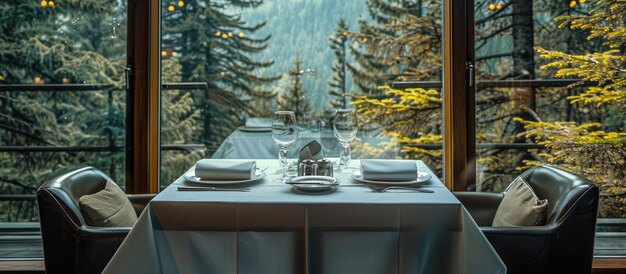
x: 211, y: 188
x: 381, y: 190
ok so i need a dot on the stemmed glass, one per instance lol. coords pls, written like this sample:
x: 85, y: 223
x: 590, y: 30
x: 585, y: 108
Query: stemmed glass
x: 285, y: 134
x: 345, y: 127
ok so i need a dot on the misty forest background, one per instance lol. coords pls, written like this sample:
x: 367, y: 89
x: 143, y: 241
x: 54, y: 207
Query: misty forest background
x: 314, y: 56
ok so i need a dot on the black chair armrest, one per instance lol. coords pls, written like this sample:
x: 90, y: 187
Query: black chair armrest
x: 91, y: 232
x: 140, y: 201
x: 482, y: 206
x: 524, y: 231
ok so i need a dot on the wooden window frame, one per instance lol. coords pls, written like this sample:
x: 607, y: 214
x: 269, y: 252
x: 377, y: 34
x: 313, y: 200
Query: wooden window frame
x: 459, y: 150
x: 143, y: 100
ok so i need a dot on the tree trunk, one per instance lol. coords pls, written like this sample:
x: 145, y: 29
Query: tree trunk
x: 523, y: 50
x: 523, y: 67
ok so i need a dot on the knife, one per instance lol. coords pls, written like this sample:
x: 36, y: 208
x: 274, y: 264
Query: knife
x: 211, y: 188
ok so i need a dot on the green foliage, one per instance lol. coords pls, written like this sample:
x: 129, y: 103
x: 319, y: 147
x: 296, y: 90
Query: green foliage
x: 62, y: 45
x: 294, y: 98
x: 215, y: 45
x: 302, y: 28
x: 408, y: 116
x: 58, y: 45
x: 608, y: 67
x: 402, y: 43
x: 262, y: 102
x: 180, y: 122
x: 338, y: 89
x: 583, y: 148
x: 599, y: 156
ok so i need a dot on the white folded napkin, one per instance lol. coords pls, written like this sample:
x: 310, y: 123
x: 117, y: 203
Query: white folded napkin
x: 219, y: 169
x: 312, y: 150
x: 389, y: 170
x: 258, y: 122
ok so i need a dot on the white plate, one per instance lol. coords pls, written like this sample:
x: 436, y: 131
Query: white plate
x: 191, y: 177
x: 255, y: 129
x: 421, y: 177
x: 313, y: 183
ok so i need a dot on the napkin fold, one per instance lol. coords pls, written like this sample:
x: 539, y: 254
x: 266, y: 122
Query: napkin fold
x: 258, y: 122
x: 389, y: 170
x: 312, y: 150
x: 218, y: 169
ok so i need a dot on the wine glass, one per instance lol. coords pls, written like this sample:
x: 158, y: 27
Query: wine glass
x: 345, y: 127
x: 285, y: 134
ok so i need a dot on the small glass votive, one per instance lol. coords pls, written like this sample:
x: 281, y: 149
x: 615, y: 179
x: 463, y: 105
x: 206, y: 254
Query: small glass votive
x: 324, y: 168
x: 307, y: 168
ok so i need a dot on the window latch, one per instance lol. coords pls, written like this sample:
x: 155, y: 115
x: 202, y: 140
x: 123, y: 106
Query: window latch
x: 128, y: 72
x: 470, y: 74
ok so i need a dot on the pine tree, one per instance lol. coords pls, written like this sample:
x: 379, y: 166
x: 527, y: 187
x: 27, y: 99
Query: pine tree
x: 294, y: 98
x: 72, y: 42
x: 262, y: 102
x: 593, y: 149
x: 180, y: 122
x: 505, y: 34
x: 216, y: 46
x: 402, y: 43
x: 411, y: 117
x: 406, y: 33
x: 338, y: 82
x: 57, y: 44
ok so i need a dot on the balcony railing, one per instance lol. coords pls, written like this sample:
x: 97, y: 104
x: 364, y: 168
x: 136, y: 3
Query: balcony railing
x: 92, y: 88
x: 110, y: 148
x: 113, y: 148
x: 610, y: 231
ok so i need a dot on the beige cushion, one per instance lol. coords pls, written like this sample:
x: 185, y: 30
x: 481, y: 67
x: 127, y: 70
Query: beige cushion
x: 520, y: 207
x: 108, y: 208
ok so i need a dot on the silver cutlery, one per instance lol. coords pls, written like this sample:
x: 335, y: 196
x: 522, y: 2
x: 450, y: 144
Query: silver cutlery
x: 259, y: 171
x: 211, y: 188
x: 326, y: 183
x: 385, y: 189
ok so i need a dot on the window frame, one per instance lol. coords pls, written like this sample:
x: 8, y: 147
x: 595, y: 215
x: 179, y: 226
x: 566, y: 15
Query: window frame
x: 143, y: 105
x: 143, y: 155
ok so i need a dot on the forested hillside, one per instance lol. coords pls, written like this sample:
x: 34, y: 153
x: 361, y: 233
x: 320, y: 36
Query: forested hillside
x: 301, y: 28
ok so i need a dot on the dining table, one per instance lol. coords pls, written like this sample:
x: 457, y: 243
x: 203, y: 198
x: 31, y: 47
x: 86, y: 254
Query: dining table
x: 257, y: 143
x: 273, y: 227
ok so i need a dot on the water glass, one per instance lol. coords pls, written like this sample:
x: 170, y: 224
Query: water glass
x: 345, y: 127
x: 284, y: 134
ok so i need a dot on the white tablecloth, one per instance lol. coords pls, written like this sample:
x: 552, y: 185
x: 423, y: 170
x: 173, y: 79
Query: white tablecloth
x: 259, y: 145
x: 272, y: 229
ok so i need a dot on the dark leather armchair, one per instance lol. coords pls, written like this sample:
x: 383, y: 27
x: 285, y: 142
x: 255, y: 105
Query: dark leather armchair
x: 69, y: 244
x: 564, y: 244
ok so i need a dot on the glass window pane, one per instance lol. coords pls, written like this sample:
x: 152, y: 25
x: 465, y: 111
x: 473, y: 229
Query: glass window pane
x: 62, y: 97
x: 548, y: 94
x: 256, y: 57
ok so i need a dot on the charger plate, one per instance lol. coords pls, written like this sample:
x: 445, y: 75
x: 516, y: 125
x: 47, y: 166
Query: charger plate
x: 313, y: 183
